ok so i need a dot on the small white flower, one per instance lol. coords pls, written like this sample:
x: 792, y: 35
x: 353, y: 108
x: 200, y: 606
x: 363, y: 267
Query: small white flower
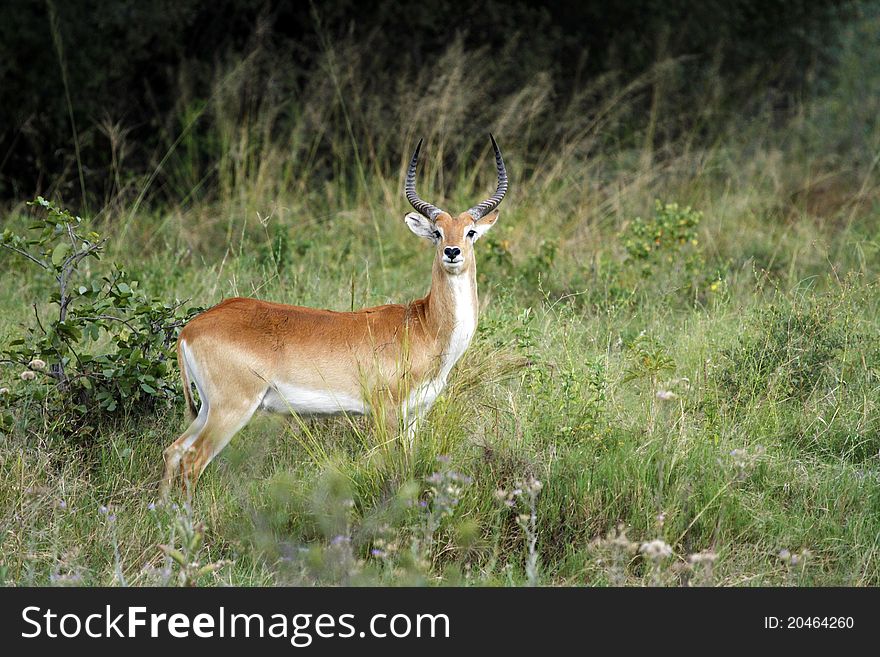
x: 37, y: 364
x: 4, y: 391
x: 656, y: 549
x: 702, y: 557
x: 666, y: 395
x: 27, y: 375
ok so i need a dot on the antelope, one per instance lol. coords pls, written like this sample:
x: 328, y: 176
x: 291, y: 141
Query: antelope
x: 245, y: 355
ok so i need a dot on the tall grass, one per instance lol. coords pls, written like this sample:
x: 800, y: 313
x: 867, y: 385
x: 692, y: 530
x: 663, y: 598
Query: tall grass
x: 704, y: 414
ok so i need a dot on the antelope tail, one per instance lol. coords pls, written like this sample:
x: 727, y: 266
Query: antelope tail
x: 191, y: 410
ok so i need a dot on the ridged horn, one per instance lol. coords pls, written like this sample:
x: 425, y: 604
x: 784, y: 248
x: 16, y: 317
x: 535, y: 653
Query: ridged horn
x: 492, y: 202
x: 422, y: 207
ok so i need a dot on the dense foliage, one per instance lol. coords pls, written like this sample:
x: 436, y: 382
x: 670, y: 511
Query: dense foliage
x: 105, y: 347
x: 76, y: 75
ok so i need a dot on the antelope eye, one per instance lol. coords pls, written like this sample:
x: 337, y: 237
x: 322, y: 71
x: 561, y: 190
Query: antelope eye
x: 471, y: 233
x: 437, y: 234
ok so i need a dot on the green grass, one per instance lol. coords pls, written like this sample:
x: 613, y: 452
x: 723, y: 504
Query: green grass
x: 719, y: 394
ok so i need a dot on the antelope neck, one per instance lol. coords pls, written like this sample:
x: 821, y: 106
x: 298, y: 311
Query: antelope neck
x: 452, y: 312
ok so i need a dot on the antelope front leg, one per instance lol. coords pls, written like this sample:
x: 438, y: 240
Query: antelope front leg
x: 412, y: 414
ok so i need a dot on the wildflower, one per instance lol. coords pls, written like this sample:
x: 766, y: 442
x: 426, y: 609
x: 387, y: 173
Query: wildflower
x: 376, y: 552
x: 4, y: 391
x: 656, y: 549
x: 703, y: 558
x: 784, y: 554
x: 27, y: 375
x: 37, y: 364
x: 339, y: 540
x: 103, y: 510
x: 666, y: 395
x: 62, y: 504
x: 69, y: 579
x: 617, y: 540
x: 151, y: 506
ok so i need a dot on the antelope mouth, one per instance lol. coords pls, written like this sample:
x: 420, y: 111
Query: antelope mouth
x: 453, y: 264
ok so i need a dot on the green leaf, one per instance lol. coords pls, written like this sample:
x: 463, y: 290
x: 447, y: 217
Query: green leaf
x: 59, y: 253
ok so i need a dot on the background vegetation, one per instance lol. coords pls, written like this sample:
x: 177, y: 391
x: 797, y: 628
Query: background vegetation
x: 675, y: 375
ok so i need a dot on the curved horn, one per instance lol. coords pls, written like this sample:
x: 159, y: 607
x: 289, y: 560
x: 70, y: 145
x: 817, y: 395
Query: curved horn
x: 492, y: 202
x: 422, y: 207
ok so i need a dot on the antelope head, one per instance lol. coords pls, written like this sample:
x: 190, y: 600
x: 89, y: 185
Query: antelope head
x: 454, y: 237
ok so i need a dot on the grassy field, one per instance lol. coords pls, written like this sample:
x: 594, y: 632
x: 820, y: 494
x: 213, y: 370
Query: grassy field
x: 674, y: 380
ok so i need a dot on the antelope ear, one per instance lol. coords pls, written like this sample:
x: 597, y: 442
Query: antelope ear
x: 483, y: 225
x: 421, y: 226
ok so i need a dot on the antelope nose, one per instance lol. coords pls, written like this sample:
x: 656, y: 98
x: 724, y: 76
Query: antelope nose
x: 452, y: 252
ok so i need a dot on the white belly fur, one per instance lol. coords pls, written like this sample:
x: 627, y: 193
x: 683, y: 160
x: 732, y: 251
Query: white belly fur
x: 303, y: 401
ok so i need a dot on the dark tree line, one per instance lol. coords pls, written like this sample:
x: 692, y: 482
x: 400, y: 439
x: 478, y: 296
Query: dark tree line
x: 123, y: 58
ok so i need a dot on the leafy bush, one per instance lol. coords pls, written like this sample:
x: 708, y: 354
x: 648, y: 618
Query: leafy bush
x: 790, y: 348
x: 670, y: 235
x: 570, y: 399
x: 666, y: 247
x: 107, y: 347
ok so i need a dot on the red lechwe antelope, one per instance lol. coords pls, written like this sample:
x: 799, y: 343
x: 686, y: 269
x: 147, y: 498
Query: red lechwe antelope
x: 245, y: 355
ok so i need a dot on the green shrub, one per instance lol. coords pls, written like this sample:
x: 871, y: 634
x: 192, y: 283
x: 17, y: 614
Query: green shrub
x: 788, y: 351
x: 570, y: 400
x: 106, y: 347
x: 667, y: 241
